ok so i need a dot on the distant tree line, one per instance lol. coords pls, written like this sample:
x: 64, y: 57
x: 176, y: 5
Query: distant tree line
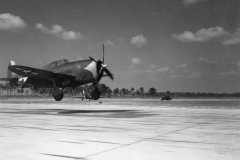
x: 117, y: 92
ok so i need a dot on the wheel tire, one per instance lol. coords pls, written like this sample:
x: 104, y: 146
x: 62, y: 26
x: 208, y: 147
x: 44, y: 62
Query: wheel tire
x: 59, y: 97
x: 95, y: 95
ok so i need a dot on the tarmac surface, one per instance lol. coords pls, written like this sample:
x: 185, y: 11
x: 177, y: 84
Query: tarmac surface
x: 108, y: 131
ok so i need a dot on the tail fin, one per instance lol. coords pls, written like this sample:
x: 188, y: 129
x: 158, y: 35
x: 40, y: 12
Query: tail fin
x: 9, y: 73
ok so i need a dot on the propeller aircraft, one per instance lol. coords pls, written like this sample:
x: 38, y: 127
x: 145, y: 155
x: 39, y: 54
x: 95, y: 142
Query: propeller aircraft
x: 61, y: 74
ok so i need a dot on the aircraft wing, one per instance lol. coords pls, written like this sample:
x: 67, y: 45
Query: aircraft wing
x: 25, y: 71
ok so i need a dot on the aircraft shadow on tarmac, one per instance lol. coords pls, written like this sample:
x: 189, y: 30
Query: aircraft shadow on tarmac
x: 100, y: 113
x: 85, y: 113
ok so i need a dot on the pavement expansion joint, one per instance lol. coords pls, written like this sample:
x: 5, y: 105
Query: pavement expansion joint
x: 145, y: 139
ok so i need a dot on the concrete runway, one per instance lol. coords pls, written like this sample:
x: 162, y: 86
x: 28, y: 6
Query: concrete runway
x: 117, y: 132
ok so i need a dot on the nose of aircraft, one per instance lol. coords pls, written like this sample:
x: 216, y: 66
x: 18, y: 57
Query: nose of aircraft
x: 93, y: 69
x: 101, y: 67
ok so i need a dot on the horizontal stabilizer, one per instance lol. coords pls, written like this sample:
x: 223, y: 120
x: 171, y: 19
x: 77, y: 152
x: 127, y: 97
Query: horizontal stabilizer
x: 7, y: 79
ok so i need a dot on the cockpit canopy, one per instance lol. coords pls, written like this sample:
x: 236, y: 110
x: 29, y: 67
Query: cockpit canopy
x: 55, y: 64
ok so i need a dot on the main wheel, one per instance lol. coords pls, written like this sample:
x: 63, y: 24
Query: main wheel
x: 58, y: 97
x: 95, y: 95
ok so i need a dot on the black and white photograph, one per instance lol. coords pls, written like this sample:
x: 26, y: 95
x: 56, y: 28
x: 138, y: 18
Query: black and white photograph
x: 119, y: 79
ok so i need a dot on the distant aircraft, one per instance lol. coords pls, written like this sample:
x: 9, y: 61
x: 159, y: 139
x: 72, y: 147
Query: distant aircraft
x: 61, y: 74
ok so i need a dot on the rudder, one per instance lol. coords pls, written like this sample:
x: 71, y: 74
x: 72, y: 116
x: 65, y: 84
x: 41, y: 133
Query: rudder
x: 9, y: 73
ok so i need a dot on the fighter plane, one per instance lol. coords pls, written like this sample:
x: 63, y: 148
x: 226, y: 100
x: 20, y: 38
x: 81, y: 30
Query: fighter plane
x: 61, y: 74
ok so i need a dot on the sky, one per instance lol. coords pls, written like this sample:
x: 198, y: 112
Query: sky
x: 171, y: 45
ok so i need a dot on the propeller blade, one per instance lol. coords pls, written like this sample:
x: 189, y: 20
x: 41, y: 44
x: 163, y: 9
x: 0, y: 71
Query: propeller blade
x: 103, y: 54
x: 100, y: 76
x: 108, y: 73
x: 99, y: 66
x: 92, y: 59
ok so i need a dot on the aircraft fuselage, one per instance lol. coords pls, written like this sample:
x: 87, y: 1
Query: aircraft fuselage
x: 83, y: 71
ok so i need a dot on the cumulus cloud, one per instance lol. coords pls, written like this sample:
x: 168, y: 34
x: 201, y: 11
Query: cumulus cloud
x: 140, y: 67
x: 188, y: 2
x: 136, y: 61
x: 11, y: 22
x: 139, y: 40
x: 59, y: 31
x: 153, y: 66
x: 194, y: 75
x: 202, y: 35
x: 163, y: 69
x: 232, y: 41
x: 187, y: 74
x: 230, y: 73
x: 108, y: 43
x: 182, y: 66
x: 201, y: 59
x: 153, y: 69
x: 233, y: 38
